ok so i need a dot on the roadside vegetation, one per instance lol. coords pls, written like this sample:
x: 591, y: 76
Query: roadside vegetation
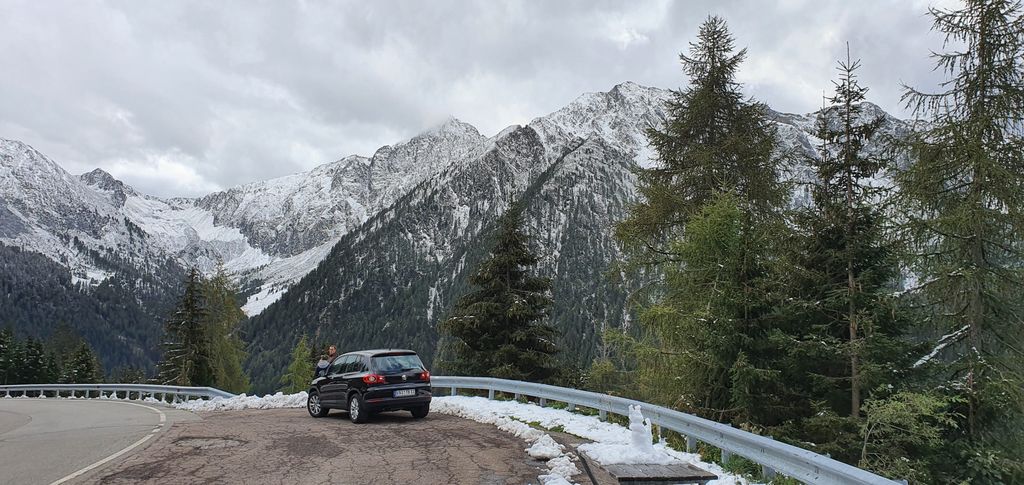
x: 880, y: 323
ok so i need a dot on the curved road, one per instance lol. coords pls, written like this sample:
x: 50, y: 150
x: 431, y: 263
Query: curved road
x: 47, y: 440
x: 42, y: 441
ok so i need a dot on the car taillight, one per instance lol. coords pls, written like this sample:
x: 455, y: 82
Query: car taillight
x: 372, y: 379
x: 425, y: 376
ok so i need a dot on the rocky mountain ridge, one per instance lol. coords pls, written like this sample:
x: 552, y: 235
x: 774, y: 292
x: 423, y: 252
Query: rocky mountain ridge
x: 354, y: 236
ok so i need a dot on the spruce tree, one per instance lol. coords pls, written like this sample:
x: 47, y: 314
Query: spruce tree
x: 964, y: 201
x: 499, y: 328
x: 187, y: 360
x: 842, y: 315
x: 34, y: 369
x: 63, y: 342
x: 709, y: 219
x: 129, y: 375
x: 82, y: 367
x: 300, y: 371
x: 223, y: 319
x: 8, y: 366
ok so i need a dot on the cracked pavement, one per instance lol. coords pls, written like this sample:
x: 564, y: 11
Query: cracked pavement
x: 288, y: 446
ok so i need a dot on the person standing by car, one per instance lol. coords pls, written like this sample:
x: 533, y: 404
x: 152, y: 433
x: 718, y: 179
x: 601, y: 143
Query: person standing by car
x: 332, y: 353
x: 325, y: 361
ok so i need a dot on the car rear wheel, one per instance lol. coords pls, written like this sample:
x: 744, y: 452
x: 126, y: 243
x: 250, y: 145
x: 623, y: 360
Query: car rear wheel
x: 420, y: 412
x: 356, y: 410
x: 315, y: 406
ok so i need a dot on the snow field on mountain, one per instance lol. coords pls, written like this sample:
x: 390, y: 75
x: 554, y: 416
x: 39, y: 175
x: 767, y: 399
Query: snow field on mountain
x: 610, y: 442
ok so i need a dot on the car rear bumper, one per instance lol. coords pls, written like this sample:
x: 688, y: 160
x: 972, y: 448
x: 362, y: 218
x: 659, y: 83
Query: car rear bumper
x: 383, y: 398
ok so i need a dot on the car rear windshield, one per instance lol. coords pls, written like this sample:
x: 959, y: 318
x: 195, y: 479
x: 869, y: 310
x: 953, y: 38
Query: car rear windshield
x: 397, y: 362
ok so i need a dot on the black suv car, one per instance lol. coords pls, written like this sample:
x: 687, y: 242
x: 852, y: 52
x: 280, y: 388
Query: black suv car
x: 372, y: 381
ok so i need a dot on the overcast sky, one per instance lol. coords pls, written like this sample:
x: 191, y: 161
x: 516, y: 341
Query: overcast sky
x: 184, y: 98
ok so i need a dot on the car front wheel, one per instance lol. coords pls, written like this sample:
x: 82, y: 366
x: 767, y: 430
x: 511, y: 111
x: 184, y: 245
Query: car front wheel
x: 356, y: 410
x: 315, y: 406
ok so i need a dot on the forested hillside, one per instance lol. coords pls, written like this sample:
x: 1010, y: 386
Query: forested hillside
x: 119, y: 317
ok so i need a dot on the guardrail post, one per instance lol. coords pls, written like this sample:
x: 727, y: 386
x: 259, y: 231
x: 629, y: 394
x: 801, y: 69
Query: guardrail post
x: 691, y: 444
x: 570, y: 407
x: 602, y: 414
x: 517, y: 397
x: 455, y: 391
x: 768, y: 472
x: 726, y: 456
x: 543, y: 402
x: 490, y: 394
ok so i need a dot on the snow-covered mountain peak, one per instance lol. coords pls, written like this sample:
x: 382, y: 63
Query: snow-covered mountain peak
x: 21, y: 160
x: 99, y: 178
x: 452, y: 126
x: 101, y: 181
x: 620, y: 116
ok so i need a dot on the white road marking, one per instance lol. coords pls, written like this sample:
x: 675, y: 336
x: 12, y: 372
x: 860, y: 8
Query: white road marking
x: 130, y: 447
x: 103, y: 461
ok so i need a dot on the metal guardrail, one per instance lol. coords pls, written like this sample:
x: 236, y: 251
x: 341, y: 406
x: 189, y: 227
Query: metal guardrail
x: 798, y: 463
x: 158, y: 392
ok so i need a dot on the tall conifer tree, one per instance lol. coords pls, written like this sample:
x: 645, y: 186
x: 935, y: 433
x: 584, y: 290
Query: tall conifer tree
x: 8, y: 365
x: 709, y: 219
x: 965, y: 206
x: 300, y: 371
x: 499, y: 329
x: 223, y: 319
x: 187, y: 360
x: 82, y: 367
x: 844, y: 266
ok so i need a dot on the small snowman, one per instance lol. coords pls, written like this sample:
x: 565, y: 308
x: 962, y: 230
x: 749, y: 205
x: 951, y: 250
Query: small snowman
x: 640, y: 432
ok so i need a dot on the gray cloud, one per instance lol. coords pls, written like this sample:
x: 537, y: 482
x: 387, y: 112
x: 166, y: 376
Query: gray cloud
x: 182, y: 98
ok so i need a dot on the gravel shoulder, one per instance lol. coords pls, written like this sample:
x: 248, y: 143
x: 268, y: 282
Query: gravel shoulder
x: 288, y: 446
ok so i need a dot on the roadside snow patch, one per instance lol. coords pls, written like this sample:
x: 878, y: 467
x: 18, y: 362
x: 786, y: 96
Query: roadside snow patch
x: 279, y: 400
x: 612, y: 443
x: 545, y: 448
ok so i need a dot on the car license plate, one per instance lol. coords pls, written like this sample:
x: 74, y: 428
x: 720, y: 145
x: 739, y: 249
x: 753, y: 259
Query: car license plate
x: 405, y: 393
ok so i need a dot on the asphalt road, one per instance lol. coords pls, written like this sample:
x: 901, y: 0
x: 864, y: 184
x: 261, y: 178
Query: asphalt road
x: 288, y: 446
x: 47, y: 440
x: 90, y: 441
